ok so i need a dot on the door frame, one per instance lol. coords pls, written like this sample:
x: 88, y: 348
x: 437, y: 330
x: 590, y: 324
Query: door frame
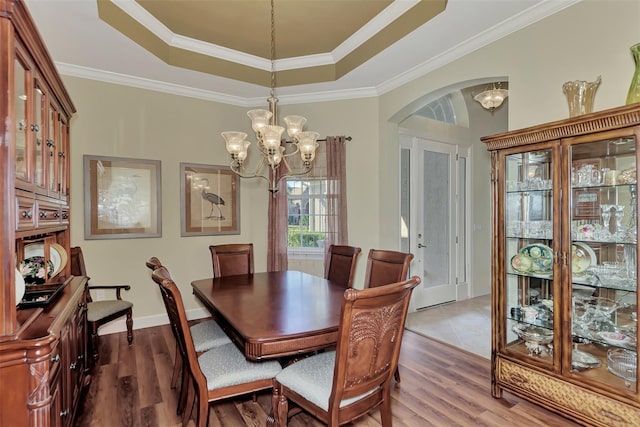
x: 409, y: 140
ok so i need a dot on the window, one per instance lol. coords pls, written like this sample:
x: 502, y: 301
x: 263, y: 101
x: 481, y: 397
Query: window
x: 307, y: 215
x: 440, y: 109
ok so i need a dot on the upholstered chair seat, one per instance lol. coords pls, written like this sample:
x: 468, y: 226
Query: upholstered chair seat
x: 101, y: 309
x: 207, y: 335
x: 313, y: 377
x: 226, y: 366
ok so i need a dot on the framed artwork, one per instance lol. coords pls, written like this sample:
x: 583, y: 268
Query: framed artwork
x: 210, y: 200
x: 122, y: 198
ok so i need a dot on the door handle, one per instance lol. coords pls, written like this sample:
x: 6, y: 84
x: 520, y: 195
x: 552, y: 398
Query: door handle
x: 420, y: 245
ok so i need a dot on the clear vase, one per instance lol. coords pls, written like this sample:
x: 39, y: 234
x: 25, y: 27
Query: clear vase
x: 634, y: 90
x: 580, y: 95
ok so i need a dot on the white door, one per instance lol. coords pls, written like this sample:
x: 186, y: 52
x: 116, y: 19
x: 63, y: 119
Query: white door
x: 436, y: 230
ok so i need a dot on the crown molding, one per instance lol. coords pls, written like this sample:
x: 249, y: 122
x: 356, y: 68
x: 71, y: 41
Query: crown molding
x: 498, y: 31
x: 528, y: 17
x: 370, y: 29
x: 174, y: 89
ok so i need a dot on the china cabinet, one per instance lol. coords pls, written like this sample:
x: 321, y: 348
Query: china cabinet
x: 565, y: 265
x: 43, y: 340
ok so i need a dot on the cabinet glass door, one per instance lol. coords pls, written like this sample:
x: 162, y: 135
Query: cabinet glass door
x: 529, y: 254
x: 20, y: 102
x: 604, y: 261
x: 38, y: 129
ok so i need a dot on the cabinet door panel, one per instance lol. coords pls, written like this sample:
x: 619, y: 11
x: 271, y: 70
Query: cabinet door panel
x: 603, y: 207
x: 530, y: 255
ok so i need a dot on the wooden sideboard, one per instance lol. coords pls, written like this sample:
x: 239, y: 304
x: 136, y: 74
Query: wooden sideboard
x: 42, y: 349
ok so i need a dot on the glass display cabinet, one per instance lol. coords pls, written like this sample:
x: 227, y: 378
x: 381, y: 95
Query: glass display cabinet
x: 564, y: 265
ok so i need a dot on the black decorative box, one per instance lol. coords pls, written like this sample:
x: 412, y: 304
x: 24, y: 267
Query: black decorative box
x: 41, y: 295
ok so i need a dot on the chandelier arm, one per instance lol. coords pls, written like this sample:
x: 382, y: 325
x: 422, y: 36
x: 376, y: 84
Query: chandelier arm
x: 257, y: 173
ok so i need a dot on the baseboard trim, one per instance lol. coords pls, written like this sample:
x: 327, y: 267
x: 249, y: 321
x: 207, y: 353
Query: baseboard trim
x: 149, y: 321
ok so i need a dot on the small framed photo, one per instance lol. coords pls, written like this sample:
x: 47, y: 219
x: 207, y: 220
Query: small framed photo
x: 210, y: 200
x: 122, y: 198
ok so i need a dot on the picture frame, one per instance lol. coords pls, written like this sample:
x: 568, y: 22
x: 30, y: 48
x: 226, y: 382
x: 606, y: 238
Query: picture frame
x: 122, y: 198
x: 209, y: 200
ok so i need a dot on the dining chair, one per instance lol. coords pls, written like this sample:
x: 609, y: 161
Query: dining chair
x: 342, y: 385
x: 232, y: 259
x: 340, y: 264
x: 206, y: 335
x: 384, y: 267
x: 219, y: 373
x: 102, y: 312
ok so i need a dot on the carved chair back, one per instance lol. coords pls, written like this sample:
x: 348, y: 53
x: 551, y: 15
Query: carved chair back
x: 340, y: 264
x: 232, y: 259
x: 384, y: 267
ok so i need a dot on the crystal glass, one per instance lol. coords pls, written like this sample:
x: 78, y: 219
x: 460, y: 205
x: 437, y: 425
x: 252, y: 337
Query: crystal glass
x: 580, y: 95
x: 634, y: 90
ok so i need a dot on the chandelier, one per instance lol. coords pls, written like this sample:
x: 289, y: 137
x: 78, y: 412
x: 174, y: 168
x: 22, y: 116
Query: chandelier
x: 273, y: 150
x: 491, y: 99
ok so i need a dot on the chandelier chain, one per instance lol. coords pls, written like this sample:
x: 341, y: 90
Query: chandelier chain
x: 273, y: 49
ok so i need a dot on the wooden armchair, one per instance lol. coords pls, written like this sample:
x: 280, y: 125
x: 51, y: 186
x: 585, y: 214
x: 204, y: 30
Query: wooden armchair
x: 102, y: 312
x: 342, y: 385
x: 219, y: 373
x: 340, y: 264
x: 232, y: 259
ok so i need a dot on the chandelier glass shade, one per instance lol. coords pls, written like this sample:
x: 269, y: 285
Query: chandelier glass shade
x: 273, y: 149
x: 491, y: 99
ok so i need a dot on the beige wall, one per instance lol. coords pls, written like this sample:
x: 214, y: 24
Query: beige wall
x: 121, y: 121
x: 589, y: 39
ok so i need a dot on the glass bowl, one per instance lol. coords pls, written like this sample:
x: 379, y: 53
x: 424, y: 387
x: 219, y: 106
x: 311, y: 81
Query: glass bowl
x: 623, y: 363
x: 535, y: 338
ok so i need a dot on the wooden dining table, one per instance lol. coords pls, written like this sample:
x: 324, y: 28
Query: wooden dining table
x: 276, y: 314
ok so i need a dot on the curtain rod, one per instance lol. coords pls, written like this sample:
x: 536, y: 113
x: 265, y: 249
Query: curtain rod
x: 346, y: 138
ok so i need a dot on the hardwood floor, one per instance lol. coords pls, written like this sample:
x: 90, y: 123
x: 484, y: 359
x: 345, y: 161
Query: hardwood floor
x: 441, y: 386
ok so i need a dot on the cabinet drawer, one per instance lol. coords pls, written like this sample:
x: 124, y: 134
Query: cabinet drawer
x: 64, y: 215
x: 25, y: 212
x: 590, y: 407
x: 48, y: 214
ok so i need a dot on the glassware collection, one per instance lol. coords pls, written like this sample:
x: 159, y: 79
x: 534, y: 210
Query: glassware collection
x: 602, y: 257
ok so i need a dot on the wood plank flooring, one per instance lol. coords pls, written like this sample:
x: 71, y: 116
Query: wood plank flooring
x: 441, y: 386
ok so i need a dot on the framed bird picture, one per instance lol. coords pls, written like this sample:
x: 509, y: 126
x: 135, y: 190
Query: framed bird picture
x: 122, y: 198
x: 210, y: 200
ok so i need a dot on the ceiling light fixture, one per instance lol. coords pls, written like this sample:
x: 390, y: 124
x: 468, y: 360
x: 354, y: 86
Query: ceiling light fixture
x: 490, y: 99
x: 273, y: 150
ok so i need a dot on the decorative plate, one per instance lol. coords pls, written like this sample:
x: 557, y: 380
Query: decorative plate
x: 34, y: 261
x: 521, y: 263
x: 582, y: 257
x: 33, y: 271
x: 20, y: 287
x: 615, y: 338
x: 582, y: 359
x: 541, y: 257
x: 64, y: 257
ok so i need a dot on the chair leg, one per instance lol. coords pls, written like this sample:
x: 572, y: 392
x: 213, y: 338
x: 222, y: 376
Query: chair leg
x: 183, y: 392
x: 279, y: 409
x: 396, y: 375
x: 177, y: 365
x: 129, y: 328
x: 385, y: 413
x: 94, y: 343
